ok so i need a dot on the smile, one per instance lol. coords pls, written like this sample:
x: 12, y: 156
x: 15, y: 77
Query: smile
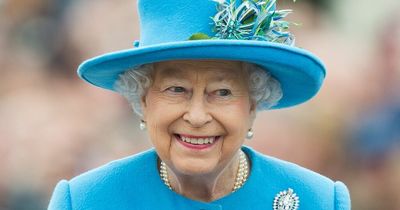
x: 197, y: 142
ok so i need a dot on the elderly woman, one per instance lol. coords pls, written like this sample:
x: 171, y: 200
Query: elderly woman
x: 197, y: 88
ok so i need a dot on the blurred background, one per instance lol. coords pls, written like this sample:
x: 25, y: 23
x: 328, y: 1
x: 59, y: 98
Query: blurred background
x: 54, y: 126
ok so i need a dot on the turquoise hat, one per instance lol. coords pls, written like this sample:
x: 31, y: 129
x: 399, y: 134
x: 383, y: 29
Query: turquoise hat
x: 245, y: 30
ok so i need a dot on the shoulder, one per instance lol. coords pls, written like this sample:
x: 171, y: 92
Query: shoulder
x: 99, y: 187
x: 117, y: 170
x: 312, y: 188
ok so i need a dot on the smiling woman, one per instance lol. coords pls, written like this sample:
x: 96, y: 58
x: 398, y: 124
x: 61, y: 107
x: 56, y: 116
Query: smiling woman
x: 198, y: 100
x: 193, y: 98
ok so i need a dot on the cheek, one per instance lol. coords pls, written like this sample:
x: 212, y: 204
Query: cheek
x: 236, y: 120
x: 159, y: 136
x: 159, y: 118
x: 236, y: 115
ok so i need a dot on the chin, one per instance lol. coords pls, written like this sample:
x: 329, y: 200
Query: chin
x: 193, y: 167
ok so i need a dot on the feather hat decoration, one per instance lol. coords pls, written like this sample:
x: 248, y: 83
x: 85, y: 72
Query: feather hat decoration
x: 250, y: 20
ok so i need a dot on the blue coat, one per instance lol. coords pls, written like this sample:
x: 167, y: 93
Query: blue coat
x: 134, y: 183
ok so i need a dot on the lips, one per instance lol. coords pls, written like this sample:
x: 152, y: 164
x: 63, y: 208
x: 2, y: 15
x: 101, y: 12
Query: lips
x: 197, y: 142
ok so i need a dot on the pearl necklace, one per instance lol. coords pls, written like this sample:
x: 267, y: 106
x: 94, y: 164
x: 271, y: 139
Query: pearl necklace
x: 241, y: 175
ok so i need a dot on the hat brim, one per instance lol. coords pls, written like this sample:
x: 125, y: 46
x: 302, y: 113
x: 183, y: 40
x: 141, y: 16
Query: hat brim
x: 300, y: 73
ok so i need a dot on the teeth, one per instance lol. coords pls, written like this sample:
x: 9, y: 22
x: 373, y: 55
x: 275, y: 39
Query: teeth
x: 198, y: 140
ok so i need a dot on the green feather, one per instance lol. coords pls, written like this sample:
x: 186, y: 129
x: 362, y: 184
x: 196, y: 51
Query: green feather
x: 199, y: 36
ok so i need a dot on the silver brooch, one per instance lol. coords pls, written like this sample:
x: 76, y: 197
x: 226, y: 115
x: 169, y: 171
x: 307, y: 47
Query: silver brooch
x: 286, y: 200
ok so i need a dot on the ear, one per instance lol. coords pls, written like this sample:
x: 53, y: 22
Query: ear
x: 253, y: 112
x: 143, y: 106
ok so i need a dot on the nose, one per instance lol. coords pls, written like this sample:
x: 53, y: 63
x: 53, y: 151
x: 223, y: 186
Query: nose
x: 197, y: 114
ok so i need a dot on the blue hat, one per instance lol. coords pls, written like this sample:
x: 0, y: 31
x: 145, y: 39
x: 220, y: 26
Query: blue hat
x: 245, y: 30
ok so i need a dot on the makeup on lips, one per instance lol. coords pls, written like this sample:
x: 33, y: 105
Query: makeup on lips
x: 197, y: 142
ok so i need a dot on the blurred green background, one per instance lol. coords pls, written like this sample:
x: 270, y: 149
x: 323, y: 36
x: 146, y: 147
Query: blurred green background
x: 54, y: 126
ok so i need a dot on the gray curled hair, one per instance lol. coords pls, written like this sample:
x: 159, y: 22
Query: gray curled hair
x: 264, y: 89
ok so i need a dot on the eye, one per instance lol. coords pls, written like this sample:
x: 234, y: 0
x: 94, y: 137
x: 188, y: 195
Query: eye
x: 176, y: 89
x: 223, y: 92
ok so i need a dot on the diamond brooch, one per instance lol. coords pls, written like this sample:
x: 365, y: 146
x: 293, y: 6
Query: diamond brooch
x: 286, y: 200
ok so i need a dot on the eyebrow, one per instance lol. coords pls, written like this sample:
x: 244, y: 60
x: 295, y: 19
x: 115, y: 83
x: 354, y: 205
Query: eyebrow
x: 176, y: 73
x: 226, y: 77
x: 173, y: 73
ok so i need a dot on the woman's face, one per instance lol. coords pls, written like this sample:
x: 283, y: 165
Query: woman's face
x: 198, y: 113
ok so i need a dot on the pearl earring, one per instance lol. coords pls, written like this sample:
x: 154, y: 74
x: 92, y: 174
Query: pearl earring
x: 250, y: 134
x: 142, y: 125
